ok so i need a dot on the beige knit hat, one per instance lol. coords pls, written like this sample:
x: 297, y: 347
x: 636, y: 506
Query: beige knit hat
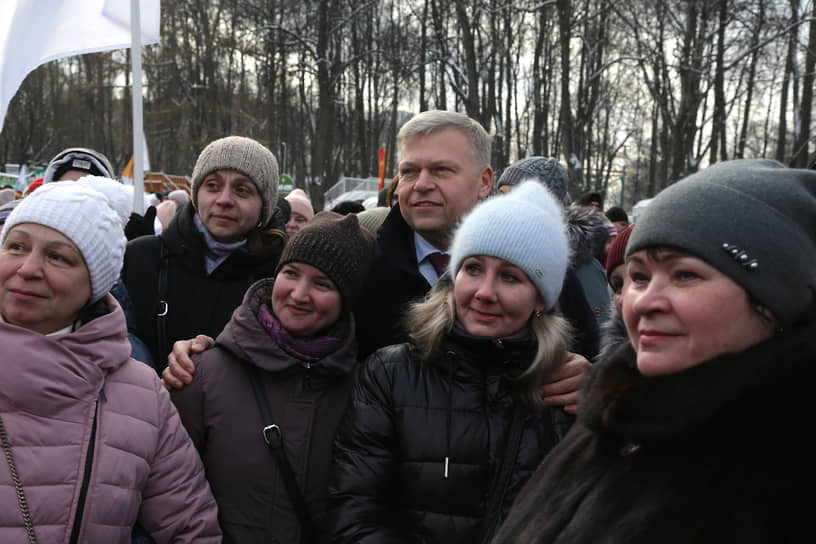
x: 246, y: 156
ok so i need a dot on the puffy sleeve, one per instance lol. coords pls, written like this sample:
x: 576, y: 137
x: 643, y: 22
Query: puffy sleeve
x: 177, y: 504
x: 362, y: 488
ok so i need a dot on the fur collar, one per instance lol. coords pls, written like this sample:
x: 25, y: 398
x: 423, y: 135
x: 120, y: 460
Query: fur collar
x: 766, y: 386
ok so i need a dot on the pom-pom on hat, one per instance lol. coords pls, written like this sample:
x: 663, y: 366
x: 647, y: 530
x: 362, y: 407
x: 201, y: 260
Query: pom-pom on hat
x: 119, y: 198
x: 85, y: 217
x: 524, y: 227
x: 244, y: 155
x: 754, y: 220
x: 336, y: 245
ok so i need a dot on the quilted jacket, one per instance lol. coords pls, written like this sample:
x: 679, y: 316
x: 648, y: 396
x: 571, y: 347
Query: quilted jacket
x: 97, y: 444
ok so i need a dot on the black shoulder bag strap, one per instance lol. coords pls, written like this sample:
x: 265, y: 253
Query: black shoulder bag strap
x: 161, y: 309
x: 274, y: 440
x: 501, y: 480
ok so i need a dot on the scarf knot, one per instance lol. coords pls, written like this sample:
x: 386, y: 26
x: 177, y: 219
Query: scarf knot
x: 217, y: 252
x: 305, y: 349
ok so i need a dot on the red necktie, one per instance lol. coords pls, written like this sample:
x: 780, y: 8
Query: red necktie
x: 439, y: 261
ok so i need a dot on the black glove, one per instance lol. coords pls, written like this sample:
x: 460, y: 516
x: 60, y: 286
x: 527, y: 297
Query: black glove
x: 139, y: 225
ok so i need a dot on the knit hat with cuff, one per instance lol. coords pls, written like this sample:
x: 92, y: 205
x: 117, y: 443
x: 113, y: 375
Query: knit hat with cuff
x: 85, y: 217
x: 244, y: 155
x: 754, y: 220
x: 339, y: 247
x: 524, y: 227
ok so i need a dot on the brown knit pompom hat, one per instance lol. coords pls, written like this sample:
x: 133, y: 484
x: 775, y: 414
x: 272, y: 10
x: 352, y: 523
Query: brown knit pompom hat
x: 339, y: 247
x: 246, y: 156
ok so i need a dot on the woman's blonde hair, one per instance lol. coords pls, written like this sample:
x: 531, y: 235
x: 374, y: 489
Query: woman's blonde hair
x: 429, y: 321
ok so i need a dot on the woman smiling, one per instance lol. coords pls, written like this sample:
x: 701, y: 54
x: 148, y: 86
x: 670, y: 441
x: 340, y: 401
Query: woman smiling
x: 91, y: 442
x: 695, y: 431
x: 442, y: 432
x: 281, y: 372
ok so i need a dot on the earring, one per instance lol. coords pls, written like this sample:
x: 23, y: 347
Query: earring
x: 539, y: 313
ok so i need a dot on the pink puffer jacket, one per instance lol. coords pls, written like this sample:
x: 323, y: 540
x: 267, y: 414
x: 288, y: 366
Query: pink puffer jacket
x: 65, y: 397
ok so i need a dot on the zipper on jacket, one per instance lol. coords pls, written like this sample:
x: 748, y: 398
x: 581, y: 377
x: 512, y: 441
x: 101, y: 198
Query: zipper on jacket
x: 307, y: 375
x: 86, y: 480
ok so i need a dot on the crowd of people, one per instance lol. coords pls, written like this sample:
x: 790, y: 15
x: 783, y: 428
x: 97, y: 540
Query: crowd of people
x: 476, y: 359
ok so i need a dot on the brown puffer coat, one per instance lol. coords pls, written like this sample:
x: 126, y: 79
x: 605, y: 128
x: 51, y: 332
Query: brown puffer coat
x: 221, y: 414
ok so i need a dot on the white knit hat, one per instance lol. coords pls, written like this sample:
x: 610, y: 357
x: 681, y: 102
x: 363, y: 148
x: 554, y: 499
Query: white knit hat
x: 85, y: 217
x: 524, y: 227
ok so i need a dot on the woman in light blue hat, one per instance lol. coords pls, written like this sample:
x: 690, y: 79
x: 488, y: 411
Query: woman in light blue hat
x: 442, y: 432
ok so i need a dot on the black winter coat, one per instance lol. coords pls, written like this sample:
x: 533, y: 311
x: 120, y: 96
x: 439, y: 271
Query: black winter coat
x: 721, y: 452
x: 395, y: 281
x: 407, y: 416
x: 196, y: 303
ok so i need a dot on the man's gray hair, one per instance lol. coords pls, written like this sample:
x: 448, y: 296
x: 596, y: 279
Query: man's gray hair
x: 431, y: 121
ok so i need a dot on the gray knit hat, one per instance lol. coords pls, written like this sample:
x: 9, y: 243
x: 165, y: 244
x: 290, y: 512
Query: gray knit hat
x: 246, y: 156
x: 338, y: 246
x: 524, y: 227
x: 78, y: 158
x: 754, y: 220
x: 546, y: 170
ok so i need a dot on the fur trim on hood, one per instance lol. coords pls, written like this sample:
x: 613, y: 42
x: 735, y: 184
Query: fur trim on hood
x: 613, y: 334
x: 587, y: 231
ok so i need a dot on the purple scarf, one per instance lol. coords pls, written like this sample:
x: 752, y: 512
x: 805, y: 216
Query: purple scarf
x: 305, y: 349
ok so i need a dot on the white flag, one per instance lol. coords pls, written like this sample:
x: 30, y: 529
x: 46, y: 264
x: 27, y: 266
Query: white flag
x: 33, y: 32
x: 22, y: 181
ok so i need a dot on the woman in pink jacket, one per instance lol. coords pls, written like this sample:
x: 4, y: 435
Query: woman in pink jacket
x: 91, y: 444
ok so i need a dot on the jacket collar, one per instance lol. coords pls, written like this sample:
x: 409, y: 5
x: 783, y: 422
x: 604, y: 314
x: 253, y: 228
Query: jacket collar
x: 395, y: 243
x: 48, y: 374
x: 487, y: 356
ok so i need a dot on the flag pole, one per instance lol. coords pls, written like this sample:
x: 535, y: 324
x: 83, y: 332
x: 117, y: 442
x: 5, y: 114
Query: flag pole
x: 138, y: 130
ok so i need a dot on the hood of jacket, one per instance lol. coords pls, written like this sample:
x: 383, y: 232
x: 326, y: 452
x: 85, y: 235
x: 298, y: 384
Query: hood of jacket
x: 50, y: 374
x: 587, y: 231
x: 248, y: 340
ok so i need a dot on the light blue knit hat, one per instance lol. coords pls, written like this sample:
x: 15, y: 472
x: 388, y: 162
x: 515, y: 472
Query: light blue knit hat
x: 524, y: 227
